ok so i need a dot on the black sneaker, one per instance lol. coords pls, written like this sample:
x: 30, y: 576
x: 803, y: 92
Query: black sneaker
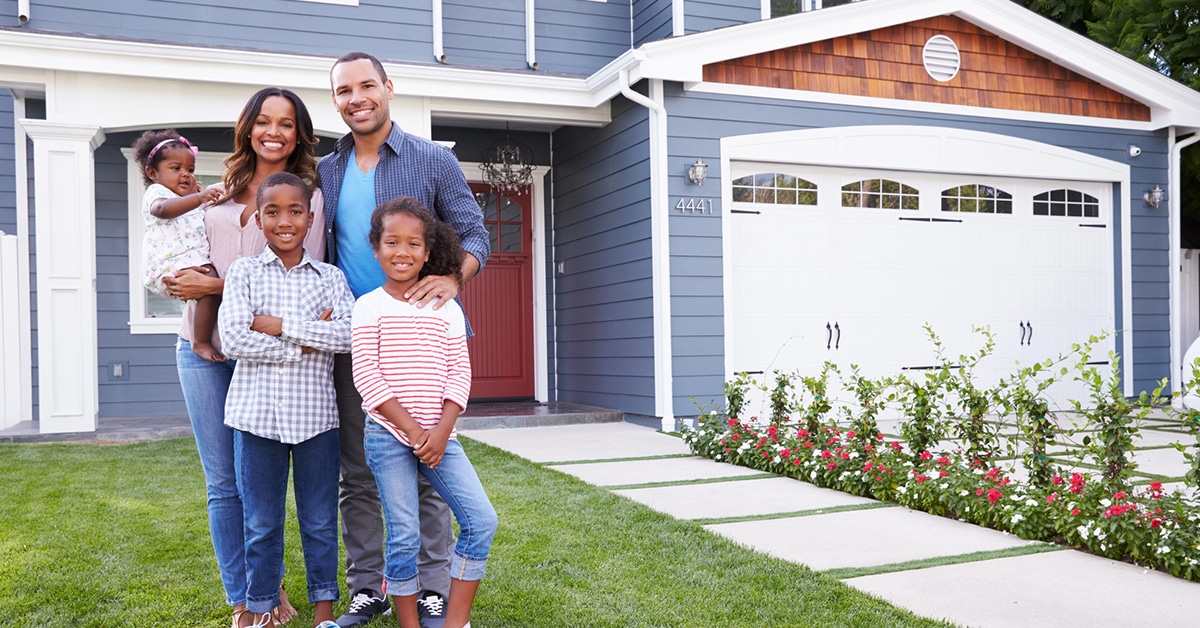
x: 365, y: 606
x: 431, y: 607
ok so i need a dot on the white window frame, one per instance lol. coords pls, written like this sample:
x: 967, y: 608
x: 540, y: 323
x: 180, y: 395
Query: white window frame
x: 207, y: 164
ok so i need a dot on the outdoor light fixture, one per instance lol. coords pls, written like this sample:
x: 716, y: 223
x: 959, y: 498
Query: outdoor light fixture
x: 698, y: 172
x: 506, y: 165
x: 1153, y: 197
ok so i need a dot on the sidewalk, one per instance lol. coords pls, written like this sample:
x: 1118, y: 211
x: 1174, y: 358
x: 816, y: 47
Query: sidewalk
x: 985, y: 578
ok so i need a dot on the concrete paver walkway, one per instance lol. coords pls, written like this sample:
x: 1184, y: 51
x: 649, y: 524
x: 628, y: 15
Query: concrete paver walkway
x: 829, y: 530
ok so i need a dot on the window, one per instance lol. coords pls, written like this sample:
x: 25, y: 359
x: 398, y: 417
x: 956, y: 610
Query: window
x: 976, y: 199
x: 1066, y: 203
x: 881, y: 194
x: 150, y: 313
x: 776, y: 188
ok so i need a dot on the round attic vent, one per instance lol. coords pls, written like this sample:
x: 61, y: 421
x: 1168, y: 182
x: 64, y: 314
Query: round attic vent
x: 941, y: 58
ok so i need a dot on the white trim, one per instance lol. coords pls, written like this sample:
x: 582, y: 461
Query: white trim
x: 914, y: 106
x: 677, y: 17
x: 348, y: 3
x: 207, y: 164
x: 931, y: 149
x: 470, y: 170
x: 65, y: 187
x: 1179, y: 374
x: 25, y: 316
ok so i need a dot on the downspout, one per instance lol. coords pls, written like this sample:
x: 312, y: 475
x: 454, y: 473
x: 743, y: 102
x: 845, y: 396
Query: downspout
x: 664, y: 389
x: 530, y: 41
x: 23, y: 12
x: 1174, y: 214
x: 439, y: 54
x: 677, y: 29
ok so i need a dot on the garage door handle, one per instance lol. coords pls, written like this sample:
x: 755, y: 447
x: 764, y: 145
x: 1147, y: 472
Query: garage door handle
x: 1092, y: 225
x: 828, y: 335
x: 1022, y: 333
x: 837, y: 343
x: 1029, y: 340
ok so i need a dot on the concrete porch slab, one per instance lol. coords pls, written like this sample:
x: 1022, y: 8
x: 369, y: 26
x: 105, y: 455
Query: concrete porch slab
x: 740, y: 499
x: 646, y: 471
x: 864, y: 538
x: 1066, y: 589
x: 589, y: 441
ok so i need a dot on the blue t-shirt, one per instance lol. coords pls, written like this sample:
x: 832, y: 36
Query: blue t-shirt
x: 355, y: 257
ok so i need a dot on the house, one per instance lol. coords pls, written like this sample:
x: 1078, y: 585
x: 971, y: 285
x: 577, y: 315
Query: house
x: 715, y: 191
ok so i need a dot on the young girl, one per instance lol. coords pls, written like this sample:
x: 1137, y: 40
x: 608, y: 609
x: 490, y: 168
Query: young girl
x: 175, y: 237
x: 412, y: 369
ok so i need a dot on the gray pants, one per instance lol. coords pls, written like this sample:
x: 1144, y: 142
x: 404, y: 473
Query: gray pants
x: 362, y: 516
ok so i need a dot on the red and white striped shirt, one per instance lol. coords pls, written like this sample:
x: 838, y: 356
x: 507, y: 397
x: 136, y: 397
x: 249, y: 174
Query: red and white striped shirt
x: 417, y: 356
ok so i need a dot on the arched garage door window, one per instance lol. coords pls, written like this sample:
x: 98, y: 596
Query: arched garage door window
x: 881, y: 194
x: 977, y: 199
x: 1066, y: 202
x: 774, y: 188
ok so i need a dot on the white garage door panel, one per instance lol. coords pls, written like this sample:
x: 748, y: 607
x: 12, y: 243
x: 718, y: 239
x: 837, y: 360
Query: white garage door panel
x: 796, y: 269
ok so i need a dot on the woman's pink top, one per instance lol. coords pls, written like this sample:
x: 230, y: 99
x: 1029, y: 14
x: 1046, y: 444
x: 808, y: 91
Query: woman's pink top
x: 228, y: 240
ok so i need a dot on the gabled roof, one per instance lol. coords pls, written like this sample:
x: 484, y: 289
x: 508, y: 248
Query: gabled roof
x: 683, y: 59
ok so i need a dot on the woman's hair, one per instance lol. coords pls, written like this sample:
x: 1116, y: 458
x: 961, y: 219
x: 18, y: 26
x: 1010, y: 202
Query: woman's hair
x: 445, y: 252
x: 151, y: 148
x: 283, y: 178
x: 239, y: 167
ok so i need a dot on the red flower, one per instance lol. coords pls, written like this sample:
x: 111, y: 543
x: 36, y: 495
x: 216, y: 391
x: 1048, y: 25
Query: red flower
x: 808, y: 444
x: 826, y: 454
x: 726, y: 450
x: 796, y: 462
x: 925, y: 455
x: 765, y: 454
x: 1051, y: 497
x: 736, y: 436
x: 868, y: 447
x: 831, y: 466
x: 1156, y: 523
x: 1056, y: 480
x: 1119, y: 495
x: 1074, y: 511
x: 845, y: 456
x: 850, y: 434
x: 896, y: 445
x: 786, y: 453
x: 922, y: 478
x: 802, y: 434
x: 994, y: 495
x: 867, y: 467
x: 1156, y: 486
x: 733, y: 421
x: 943, y: 460
x: 879, y: 437
x: 942, y: 474
x: 978, y: 492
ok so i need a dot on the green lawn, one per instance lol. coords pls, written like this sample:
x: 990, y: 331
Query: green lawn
x: 116, y: 535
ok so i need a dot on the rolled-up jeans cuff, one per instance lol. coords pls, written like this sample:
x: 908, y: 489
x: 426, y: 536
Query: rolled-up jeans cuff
x: 468, y: 569
x: 323, y: 593
x: 402, y: 587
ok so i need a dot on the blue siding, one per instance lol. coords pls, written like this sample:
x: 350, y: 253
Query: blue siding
x: 698, y: 121
x: 651, y: 20
x: 700, y: 15
x: 34, y: 110
x: 8, y: 167
x: 580, y: 37
x: 604, y: 301
x: 389, y: 30
x: 492, y: 34
x: 152, y: 387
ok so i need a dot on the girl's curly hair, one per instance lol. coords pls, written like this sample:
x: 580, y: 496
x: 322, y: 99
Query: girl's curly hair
x: 445, y: 251
x: 146, y: 143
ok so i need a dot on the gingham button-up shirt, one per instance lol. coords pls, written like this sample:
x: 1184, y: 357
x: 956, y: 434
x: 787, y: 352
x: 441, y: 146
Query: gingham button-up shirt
x: 279, y: 392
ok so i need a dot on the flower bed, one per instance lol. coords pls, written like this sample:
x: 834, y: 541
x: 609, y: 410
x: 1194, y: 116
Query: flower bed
x: 1103, y: 512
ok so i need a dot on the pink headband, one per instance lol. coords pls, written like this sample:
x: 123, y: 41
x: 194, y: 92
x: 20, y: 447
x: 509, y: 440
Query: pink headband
x: 180, y: 139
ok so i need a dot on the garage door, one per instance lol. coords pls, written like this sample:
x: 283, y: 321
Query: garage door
x: 849, y: 265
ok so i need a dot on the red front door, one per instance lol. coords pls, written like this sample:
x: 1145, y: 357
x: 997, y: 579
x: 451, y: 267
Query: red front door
x: 499, y: 301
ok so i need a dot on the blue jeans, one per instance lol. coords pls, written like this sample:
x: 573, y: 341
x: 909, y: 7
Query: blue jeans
x: 396, y: 468
x: 262, y: 466
x: 205, y: 385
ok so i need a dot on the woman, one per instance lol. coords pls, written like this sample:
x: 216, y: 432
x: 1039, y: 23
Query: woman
x: 274, y: 133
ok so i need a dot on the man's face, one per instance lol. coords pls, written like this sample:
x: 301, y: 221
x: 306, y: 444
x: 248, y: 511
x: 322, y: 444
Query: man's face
x: 361, y: 96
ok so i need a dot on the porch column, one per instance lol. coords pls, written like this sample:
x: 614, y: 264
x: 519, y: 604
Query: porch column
x: 65, y: 232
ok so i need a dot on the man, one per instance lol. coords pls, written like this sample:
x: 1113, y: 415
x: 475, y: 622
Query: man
x: 373, y: 163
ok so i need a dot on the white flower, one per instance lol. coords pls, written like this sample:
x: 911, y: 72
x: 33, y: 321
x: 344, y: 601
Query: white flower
x: 1106, y: 502
x: 1163, y: 549
x: 1017, y: 518
x: 1031, y: 502
x: 1083, y: 531
x: 1100, y: 535
x: 962, y: 493
x: 902, y: 489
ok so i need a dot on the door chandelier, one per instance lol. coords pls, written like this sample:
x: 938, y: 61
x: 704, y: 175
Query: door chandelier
x: 506, y: 165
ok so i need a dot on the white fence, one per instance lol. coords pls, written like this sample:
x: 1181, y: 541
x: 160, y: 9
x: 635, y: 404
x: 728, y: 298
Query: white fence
x: 10, y: 327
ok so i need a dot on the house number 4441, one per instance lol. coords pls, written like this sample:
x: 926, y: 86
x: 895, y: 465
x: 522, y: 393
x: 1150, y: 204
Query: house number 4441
x: 695, y: 205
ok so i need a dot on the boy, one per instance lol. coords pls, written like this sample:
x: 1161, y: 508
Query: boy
x: 283, y: 317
